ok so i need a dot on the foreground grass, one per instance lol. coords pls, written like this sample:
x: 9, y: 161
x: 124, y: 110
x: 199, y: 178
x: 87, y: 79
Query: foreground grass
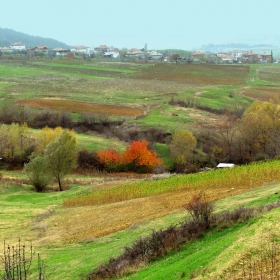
x: 32, y: 216
x: 212, y: 255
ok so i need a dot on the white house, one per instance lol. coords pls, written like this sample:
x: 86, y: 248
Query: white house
x: 237, y: 54
x: 154, y: 55
x: 102, y: 49
x: 227, y: 58
x: 60, y: 51
x: 111, y: 54
x: 136, y: 53
x: 79, y: 49
x: 17, y: 46
x: 6, y: 50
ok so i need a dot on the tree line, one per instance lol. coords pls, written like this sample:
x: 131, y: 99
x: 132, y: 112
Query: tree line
x: 253, y: 136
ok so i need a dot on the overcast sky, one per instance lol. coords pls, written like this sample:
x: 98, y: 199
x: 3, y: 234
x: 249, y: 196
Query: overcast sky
x: 161, y: 24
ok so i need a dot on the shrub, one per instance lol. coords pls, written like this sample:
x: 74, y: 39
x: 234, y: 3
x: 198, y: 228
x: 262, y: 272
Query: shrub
x: 89, y: 160
x: 200, y: 208
x: 17, y: 261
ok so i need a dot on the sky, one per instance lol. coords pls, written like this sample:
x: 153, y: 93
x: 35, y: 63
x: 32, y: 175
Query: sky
x: 164, y: 24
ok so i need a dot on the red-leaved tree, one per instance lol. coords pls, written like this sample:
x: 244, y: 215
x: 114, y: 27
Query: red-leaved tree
x: 136, y: 156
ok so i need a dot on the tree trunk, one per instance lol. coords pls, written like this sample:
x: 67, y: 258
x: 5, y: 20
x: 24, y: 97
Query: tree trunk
x: 60, y: 185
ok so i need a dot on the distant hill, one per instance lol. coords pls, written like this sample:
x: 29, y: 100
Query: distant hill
x: 9, y: 36
x: 235, y: 46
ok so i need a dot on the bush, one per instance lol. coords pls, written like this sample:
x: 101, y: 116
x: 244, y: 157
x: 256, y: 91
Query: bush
x: 200, y: 208
x: 88, y: 160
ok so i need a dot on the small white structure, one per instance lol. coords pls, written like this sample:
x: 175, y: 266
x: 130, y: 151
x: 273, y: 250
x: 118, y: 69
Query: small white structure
x: 79, y: 49
x: 111, y: 54
x: 225, y: 165
x: 154, y: 55
x: 60, y: 51
x: 17, y: 46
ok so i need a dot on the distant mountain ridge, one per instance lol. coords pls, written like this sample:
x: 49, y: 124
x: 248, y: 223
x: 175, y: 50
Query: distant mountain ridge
x: 235, y: 46
x: 9, y: 36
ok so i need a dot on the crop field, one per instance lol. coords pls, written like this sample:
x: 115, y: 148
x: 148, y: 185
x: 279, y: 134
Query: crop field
x: 262, y: 93
x: 270, y: 73
x: 157, y: 198
x: 197, y: 74
x: 81, y: 107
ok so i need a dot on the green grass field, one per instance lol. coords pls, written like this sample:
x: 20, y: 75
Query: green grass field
x: 74, y: 240
x: 146, y: 86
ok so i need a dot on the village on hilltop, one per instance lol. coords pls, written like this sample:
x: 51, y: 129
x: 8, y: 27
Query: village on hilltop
x: 134, y: 54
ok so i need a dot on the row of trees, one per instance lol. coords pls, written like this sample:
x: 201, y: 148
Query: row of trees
x: 254, y: 136
x: 50, y: 154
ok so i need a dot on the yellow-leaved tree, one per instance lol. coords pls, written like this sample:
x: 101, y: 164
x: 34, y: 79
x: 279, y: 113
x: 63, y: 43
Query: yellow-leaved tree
x: 182, y: 148
x: 45, y: 136
x: 260, y: 128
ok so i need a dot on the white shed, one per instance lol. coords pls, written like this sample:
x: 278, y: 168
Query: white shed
x: 225, y: 165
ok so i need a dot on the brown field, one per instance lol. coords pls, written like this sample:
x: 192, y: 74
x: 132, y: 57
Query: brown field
x: 78, y: 224
x: 202, y: 74
x: 81, y: 107
x: 262, y: 93
x: 269, y: 73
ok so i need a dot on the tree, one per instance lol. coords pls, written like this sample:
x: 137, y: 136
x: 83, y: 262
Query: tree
x: 38, y: 173
x: 61, y: 156
x: 175, y: 57
x: 138, y: 154
x: 260, y: 128
x: 182, y: 145
x: 46, y: 136
x: 182, y: 149
x: 15, y: 140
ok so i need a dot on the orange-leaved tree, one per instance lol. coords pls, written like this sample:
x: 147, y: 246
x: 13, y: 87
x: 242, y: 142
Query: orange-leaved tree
x: 109, y: 156
x: 138, y: 154
x: 135, y: 156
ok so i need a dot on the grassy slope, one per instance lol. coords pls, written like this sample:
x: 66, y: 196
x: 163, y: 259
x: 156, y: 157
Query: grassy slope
x: 28, y: 214
x: 209, y: 257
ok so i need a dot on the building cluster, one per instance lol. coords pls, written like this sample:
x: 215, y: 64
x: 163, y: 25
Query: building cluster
x: 102, y: 50
x: 236, y: 56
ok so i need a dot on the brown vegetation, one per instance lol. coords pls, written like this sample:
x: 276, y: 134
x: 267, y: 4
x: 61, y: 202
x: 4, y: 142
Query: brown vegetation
x: 262, y: 93
x: 80, y: 107
x: 202, y: 74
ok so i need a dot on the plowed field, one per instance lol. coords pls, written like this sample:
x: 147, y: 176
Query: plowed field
x: 81, y: 107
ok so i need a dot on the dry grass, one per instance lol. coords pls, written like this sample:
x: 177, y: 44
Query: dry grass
x: 269, y: 73
x: 202, y: 74
x: 262, y: 93
x: 88, y: 222
x: 81, y: 107
x: 248, y: 250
